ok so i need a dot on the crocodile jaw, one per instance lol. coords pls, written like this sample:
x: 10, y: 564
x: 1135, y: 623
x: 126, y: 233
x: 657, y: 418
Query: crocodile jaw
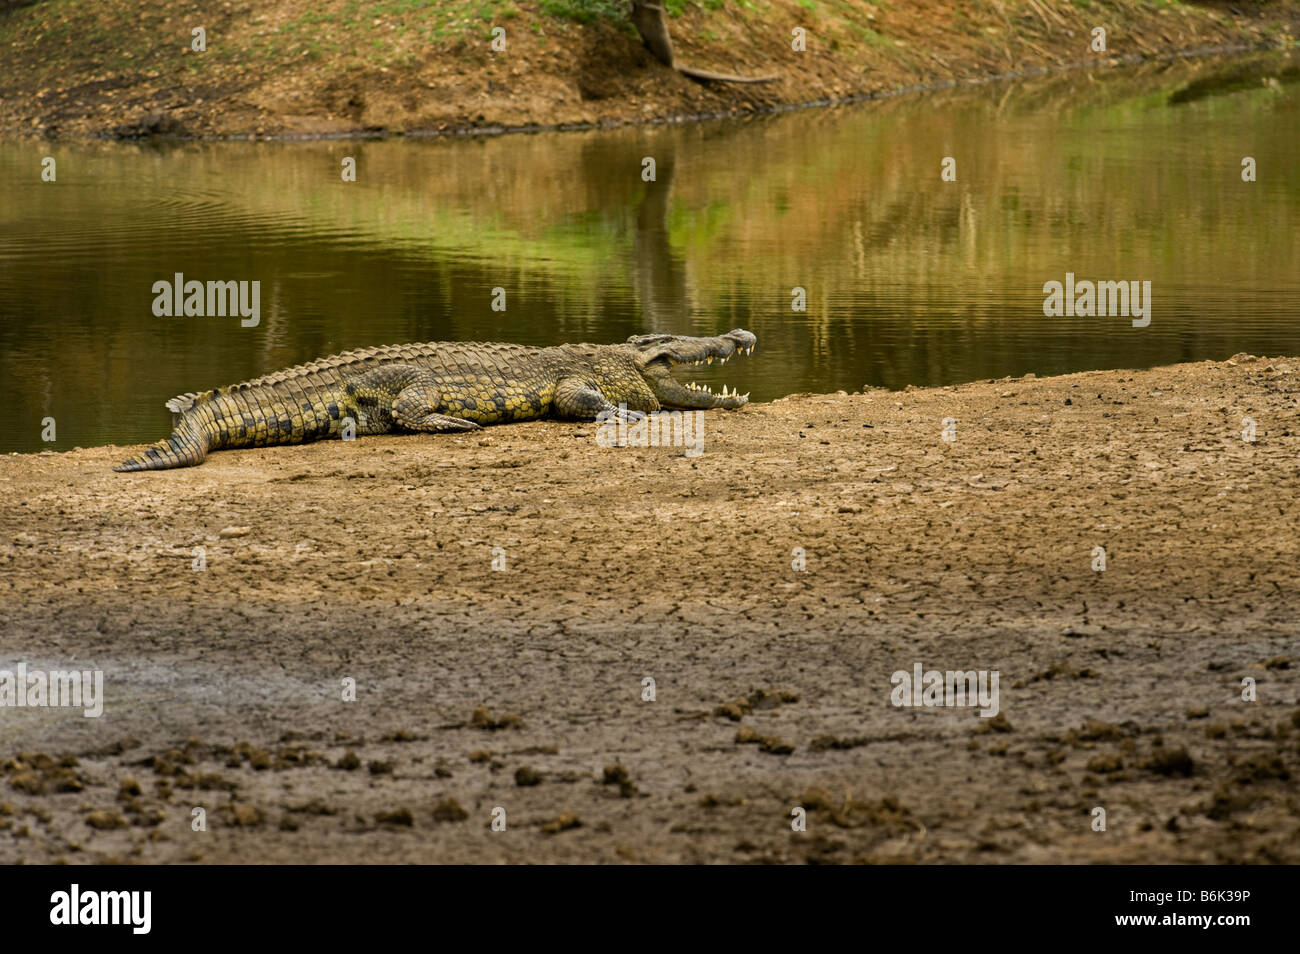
x: 658, y: 354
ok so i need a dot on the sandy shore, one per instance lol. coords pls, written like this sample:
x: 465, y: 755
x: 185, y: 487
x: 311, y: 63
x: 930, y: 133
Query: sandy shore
x: 523, y: 689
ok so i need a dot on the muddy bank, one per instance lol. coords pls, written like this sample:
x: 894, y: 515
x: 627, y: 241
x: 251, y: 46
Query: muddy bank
x: 126, y: 68
x: 523, y: 689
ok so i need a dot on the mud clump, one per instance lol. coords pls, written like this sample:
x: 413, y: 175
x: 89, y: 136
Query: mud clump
x: 400, y: 817
x: 349, y: 761
x: 997, y: 723
x: 1058, y: 670
x: 449, y: 810
x: 206, y: 781
x: 719, y: 801
x: 773, y: 745
x: 482, y: 719
x: 1261, y: 767
x: 1225, y: 803
x: 105, y: 821
x: 259, y: 759
x: 737, y: 709
x: 147, y: 818
x: 1105, y: 764
x: 297, y: 756
x: 35, y: 773
x: 401, y: 735
x: 618, y: 774
x: 526, y: 776
x: 1170, y: 761
x: 1095, y: 731
x: 887, y: 813
x: 564, y: 822
x: 241, y: 815
x: 824, y: 743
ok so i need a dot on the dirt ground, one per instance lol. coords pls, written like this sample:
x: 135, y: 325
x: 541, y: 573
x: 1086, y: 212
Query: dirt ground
x: 305, y: 68
x: 522, y: 689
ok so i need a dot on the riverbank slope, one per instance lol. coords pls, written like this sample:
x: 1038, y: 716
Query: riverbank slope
x: 279, y: 68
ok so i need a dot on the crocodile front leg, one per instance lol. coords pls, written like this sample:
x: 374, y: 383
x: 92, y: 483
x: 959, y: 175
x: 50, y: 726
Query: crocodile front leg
x: 579, y: 400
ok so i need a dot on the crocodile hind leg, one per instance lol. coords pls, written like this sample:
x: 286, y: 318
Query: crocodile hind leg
x: 414, y: 408
x: 410, y: 418
x: 401, y: 396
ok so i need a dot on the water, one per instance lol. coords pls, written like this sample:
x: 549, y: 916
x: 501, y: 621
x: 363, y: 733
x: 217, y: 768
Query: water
x: 1126, y: 175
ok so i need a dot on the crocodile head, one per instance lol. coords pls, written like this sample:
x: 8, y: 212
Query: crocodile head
x: 655, y: 356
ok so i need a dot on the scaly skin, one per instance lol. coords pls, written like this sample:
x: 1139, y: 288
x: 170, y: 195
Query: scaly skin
x: 441, y: 386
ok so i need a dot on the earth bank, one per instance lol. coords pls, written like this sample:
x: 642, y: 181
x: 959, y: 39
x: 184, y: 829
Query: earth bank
x: 289, y: 68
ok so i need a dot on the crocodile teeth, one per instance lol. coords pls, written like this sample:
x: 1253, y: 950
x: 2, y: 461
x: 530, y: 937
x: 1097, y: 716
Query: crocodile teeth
x: 710, y: 359
x: 724, y: 390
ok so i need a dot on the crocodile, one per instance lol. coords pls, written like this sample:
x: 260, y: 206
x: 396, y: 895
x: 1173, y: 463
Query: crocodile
x: 443, y: 386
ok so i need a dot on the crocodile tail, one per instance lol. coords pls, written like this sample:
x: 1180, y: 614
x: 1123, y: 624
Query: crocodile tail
x: 187, y: 446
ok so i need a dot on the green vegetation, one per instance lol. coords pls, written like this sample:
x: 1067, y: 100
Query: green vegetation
x: 585, y: 11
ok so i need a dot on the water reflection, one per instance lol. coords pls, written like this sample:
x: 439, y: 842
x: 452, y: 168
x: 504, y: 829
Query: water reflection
x: 909, y: 280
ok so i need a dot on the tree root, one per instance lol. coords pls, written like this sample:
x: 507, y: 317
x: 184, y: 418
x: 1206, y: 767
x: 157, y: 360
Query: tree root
x: 648, y: 18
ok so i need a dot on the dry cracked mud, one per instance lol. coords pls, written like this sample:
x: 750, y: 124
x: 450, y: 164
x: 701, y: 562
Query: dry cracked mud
x: 523, y: 689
